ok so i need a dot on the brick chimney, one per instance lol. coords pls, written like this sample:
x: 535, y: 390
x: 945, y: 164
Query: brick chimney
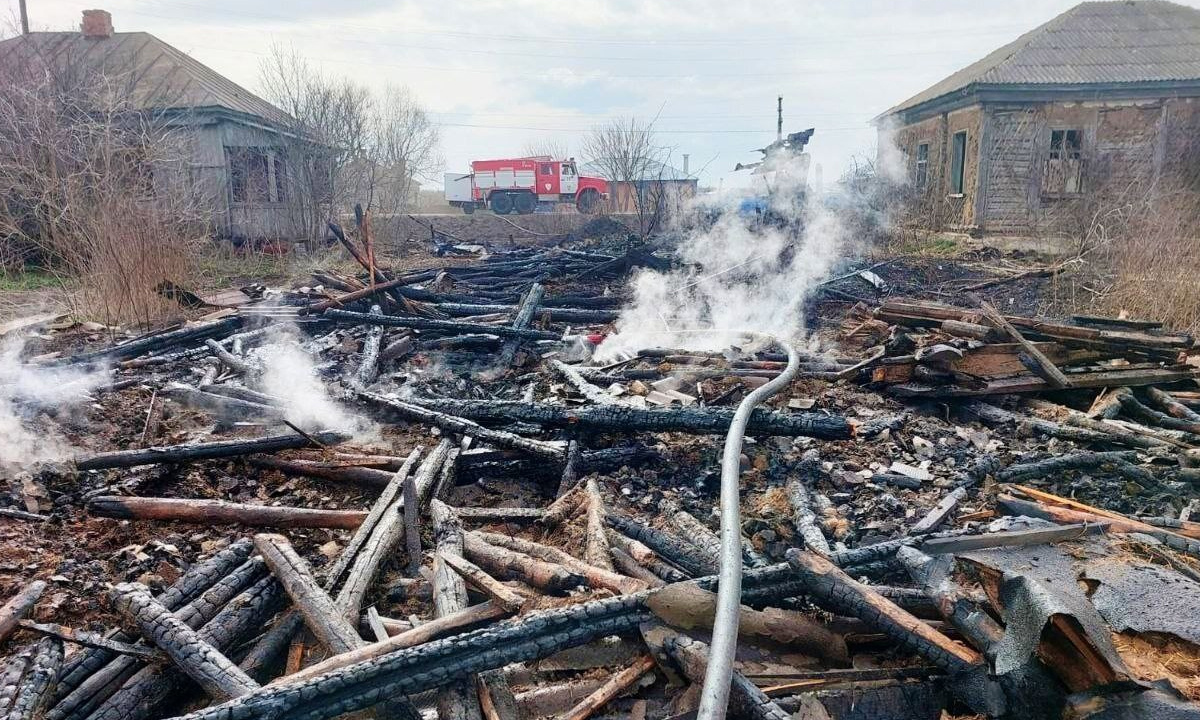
x: 97, y: 24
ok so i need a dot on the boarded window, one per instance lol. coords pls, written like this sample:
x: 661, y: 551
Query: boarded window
x: 255, y: 175
x: 922, y: 171
x: 958, y: 159
x: 1063, y: 174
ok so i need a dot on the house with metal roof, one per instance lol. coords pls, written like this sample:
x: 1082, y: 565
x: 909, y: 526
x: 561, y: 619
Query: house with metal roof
x: 1096, y: 105
x: 240, y: 148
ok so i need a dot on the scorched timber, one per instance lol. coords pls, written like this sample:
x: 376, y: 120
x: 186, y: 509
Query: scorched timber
x: 219, y: 511
x: 440, y: 662
x: 219, y: 677
x: 619, y: 418
x: 346, y: 317
x: 191, y: 585
x: 204, y: 451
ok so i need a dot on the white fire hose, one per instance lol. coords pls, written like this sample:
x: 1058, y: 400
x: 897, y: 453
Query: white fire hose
x: 714, y: 697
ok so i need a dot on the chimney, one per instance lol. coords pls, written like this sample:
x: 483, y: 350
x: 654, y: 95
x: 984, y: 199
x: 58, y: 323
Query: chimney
x: 97, y: 24
x: 685, y: 166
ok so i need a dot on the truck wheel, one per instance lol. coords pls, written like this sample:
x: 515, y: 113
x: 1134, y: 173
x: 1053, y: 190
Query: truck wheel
x: 468, y: 208
x: 525, y: 203
x: 588, y: 202
x: 502, y: 203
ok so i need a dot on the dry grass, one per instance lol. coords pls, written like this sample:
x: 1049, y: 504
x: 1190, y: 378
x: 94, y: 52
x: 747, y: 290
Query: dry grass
x: 1143, y: 261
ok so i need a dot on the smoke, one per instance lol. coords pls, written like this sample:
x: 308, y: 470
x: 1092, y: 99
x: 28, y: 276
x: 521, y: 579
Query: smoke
x: 25, y: 391
x: 738, y: 274
x: 291, y: 375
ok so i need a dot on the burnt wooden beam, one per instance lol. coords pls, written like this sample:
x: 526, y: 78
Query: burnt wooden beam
x: 316, y: 607
x: 27, y: 680
x: 387, y: 533
x: 368, y: 476
x: 346, y: 317
x: 208, y: 512
x: 202, y: 662
x: 688, y: 557
x: 597, y: 577
x: 204, y: 451
x: 620, y: 418
x: 151, y: 689
x: 457, y: 701
x: 451, y: 423
x: 832, y: 588
x: 690, y: 656
x: 804, y: 519
x: 19, y: 606
x: 193, y: 583
x: 549, y: 576
x: 156, y: 341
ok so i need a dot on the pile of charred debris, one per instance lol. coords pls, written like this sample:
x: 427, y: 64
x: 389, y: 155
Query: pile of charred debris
x: 949, y: 512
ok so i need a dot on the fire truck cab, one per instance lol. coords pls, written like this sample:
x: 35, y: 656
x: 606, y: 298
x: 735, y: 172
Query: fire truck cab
x: 521, y: 185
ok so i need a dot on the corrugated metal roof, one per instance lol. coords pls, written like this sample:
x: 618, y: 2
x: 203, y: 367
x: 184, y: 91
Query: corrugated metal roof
x: 155, y: 75
x: 1094, y: 42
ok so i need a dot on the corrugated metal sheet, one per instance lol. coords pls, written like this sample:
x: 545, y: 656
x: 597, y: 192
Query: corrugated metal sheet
x: 155, y: 75
x: 1093, y: 42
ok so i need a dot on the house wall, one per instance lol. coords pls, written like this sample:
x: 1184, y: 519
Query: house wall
x: 259, y: 219
x: 934, y: 204
x: 1129, y: 148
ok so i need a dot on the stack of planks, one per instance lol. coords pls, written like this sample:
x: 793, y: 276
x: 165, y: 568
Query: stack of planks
x: 945, y: 351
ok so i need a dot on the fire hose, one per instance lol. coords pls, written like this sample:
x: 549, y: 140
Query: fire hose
x: 714, y: 697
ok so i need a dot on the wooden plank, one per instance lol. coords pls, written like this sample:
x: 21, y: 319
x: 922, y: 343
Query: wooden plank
x: 1032, y: 384
x: 1010, y: 538
x: 1043, y: 365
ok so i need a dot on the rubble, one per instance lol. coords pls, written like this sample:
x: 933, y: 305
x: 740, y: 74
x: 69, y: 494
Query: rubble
x: 947, y: 510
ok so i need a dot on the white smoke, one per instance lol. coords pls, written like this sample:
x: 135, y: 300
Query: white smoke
x: 291, y: 375
x: 738, y: 275
x: 25, y: 391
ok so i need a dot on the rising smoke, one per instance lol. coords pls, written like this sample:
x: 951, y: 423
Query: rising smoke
x: 738, y: 274
x: 292, y: 377
x: 25, y: 392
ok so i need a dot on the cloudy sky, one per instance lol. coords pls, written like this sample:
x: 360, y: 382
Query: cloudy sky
x: 499, y: 75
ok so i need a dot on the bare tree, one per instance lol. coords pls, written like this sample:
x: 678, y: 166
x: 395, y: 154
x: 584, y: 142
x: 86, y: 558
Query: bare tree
x: 630, y: 155
x: 327, y: 129
x: 350, y: 146
x: 403, y: 148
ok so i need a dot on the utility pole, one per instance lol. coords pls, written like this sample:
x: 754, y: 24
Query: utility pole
x: 778, y: 121
x: 24, y: 17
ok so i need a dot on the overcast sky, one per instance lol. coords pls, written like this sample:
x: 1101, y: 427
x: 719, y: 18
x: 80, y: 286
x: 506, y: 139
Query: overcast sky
x: 498, y: 75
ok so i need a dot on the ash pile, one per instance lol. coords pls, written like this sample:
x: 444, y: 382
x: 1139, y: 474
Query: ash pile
x: 417, y: 494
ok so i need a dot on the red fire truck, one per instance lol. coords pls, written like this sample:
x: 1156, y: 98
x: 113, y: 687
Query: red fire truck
x: 522, y: 184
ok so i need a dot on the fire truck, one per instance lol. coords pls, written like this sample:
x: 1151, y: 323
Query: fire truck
x: 521, y: 185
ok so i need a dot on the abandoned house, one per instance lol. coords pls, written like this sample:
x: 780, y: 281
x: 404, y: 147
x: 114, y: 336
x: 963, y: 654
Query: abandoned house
x: 1096, y: 105
x: 239, y: 150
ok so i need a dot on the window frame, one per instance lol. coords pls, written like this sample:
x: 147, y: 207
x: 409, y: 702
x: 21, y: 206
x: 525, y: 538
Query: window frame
x: 921, y: 171
x: 1067, y: 160
x: 958, y: 164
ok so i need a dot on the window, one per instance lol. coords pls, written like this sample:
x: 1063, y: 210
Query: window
x: 546, y: 169
x: 958, y: 159
x: 922, y: 172
x: 1063, y: 173
x: 568, y: 170
x: 256, y: 175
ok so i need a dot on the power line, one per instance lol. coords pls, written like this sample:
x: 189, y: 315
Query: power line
x: 803, y: 72
x: 577, y: 56
x: 576, y: 40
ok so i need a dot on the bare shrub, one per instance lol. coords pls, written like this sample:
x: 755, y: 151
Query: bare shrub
x: 629, y: 153
x: 94, y: 189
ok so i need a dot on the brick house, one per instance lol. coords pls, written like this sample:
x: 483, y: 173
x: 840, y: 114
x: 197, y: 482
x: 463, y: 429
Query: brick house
x: 1100, y: 102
